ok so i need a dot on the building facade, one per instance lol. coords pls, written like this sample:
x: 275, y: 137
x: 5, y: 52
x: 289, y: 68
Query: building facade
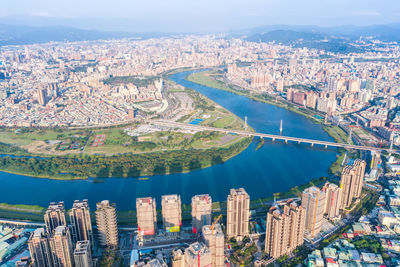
x: 81, y: 224
x: 238, y: 214
x: 284, y: 229
x: 83, y: 254
x: 313, y: 201
x: 171, y: 213
x: 106, y: 221
x: 54, y: 216
x: 39, y: 249
x: 197, y: 255
x: 215, y: 240
x: 61, y: 247
x: 333, y: 195
x: 351, y: 182
x: 201, y: 212
x: 146, y: 216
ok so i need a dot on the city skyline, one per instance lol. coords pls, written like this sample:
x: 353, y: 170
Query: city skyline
x: 210, y: 134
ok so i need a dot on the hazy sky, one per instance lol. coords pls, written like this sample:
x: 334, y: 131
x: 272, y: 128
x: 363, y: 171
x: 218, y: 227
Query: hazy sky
x: 199, y: 15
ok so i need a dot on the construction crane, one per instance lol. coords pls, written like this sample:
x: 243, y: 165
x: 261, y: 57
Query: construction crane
x: 215, y: 222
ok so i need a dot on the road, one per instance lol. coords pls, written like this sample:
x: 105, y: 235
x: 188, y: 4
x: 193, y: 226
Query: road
x: 273, y: 137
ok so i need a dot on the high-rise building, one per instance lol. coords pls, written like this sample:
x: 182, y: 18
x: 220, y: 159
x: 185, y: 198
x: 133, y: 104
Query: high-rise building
x: 53, y: 87
x: 178, y: 258
x: 351, y: 182
x: 171, y: 213
x: 81, y: 224
x: 297, y: 219
x: 42, y: 96
x: 238, y: 214
x: 275, y: 235
x: 332, y: 84
x: 197, y: 254
x: 61, y: 247
x: 107, y: 227
x: 83, y: 254
x: 313, y: 201
x: 284, y: 229
x: 201, y: 212
x: 39, y: 248
x: 214, y: 239
x: 146, y: 215
x: 333, y: 200
x: 54, y: 216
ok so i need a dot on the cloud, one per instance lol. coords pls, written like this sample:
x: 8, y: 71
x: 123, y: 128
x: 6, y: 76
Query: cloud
x: 367, y: 13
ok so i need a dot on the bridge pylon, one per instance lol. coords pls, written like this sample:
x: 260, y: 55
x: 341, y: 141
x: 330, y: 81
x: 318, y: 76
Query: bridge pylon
x: 245, y: 123
x: 391, y: 146
x: 349, y: 140
x: 281, y: 127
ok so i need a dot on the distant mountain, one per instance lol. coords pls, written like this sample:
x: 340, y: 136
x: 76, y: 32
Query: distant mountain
x: 285, y: 36
x: 388, y: 32
x: 19, y: 35
x: 333, y: 39
x: 306, y: 39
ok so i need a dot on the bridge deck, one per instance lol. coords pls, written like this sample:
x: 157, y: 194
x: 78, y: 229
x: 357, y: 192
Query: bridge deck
x: 269, y: 136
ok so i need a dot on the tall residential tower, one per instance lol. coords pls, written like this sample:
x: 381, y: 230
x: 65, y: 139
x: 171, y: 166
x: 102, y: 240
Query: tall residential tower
x: 107, y: 227
x: 313, y: 201
x: 351, y: 182
x: 81, y: 224
x: 54, y: 216
x: 238, y: 214
x: 39, y: 248
x: 201, y: 212
x: 146, y: 215
x: 171, y: 213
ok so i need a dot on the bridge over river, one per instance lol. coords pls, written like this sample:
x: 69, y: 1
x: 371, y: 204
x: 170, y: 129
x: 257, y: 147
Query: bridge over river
x: 273, y: 137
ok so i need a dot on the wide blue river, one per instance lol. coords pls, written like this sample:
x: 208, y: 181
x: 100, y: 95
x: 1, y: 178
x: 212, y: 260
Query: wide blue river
x: 276, y: 167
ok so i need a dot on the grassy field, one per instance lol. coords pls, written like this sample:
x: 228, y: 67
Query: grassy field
x: 57, y: 141
x: 338, y: 134
x: 207, y: 78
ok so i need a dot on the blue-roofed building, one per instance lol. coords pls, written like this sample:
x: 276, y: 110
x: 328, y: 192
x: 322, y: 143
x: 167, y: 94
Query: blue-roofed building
x: 134, y: 257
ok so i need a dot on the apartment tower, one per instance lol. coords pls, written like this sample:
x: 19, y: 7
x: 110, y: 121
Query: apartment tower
x: 333, y: 200
x: 351, y: 182
x: 313, y: 201
x: 197, y: 255
x: 42, y: 96
x: 61, y: 247
x: 39, y: 249
x: 82, y: 254
x: 214, y: 239
x: 238, y: 214
x: 201, y: 212
x: 177, y: 258
x: 54, y: 216
x: 297, y: 219
x: 146, y: 215
x: 284, y: 229
x: 81, y: 224
x: 171, y: 213
x: 107, y: 227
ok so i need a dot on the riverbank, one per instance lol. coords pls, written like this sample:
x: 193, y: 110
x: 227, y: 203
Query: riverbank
x: 72, y: 154
x: 209, y: 78
x: 125, y: 165
x: 34, y: 213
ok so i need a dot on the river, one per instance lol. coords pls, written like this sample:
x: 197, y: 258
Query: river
x: 275, y: 167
